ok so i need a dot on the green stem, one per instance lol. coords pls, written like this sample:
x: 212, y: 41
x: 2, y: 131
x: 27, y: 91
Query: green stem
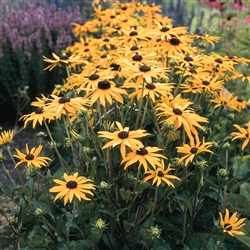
x: 145, y: 111
x: 140, y: 106
x: 154, y: 206
x: 13, y: 160
x: 178, y: 85
x: 54, y: 145
x: 8, y: 175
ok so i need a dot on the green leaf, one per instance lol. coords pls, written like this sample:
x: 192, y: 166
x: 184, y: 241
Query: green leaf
x: 244, y: 239
x: 81, y: 244
x: 6, y: 189
x: 245, y: 190
x: 244, y: 171
x: 127, y: 226
x: 6, y: 241
x: 22, y: 212
x: 110, y: 242
x: 108, y: 212
x: 185, y: 200
x: 125, y: 194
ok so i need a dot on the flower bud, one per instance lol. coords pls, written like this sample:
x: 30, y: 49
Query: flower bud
x: 174, y: 135
x: 226, y: 145
x: 100, y: 224
x: 39, y: 211
x: 104, y: 185
x: 223, y: 172
x: 153, y: 232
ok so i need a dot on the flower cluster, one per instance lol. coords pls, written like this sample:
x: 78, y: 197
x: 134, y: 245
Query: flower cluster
x: 26, y: 24
x: 147, y: 131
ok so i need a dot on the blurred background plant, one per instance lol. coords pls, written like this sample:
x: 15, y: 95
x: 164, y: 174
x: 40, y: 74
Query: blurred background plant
x: 30, y: 29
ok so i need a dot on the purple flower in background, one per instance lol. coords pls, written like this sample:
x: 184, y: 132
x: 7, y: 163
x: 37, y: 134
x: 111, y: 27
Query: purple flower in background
x: 25, y: 25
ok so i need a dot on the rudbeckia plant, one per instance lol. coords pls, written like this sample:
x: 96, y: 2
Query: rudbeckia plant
x: 144, y: 146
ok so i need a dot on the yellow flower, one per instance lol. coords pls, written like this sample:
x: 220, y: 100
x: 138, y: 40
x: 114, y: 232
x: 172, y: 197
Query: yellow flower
x: 31, y: 158
x: 243, y: 134
x: 192, y: 150
x: 6, y: 137
x: 106, y: 91
x: 59, y: 106
x: 178, y: 112
x: 73, y: 185
x: 38, y: 116
x: 145, y: 156
x: 64, y: 59
x: 152, y: 90
x: 231, y: 225
x: 124, y: 137
x: 224, y: 99
x: 158, y: 175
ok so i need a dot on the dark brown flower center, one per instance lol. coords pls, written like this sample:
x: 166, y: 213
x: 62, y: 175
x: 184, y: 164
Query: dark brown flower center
x: 86, y: 50
x: 239, y: 100
x: 123, y: 135
x: 137, y: 58
x: 228, y: 227
x: 29, y: 157
x: 93, y: 77
x: 144, y: 68
x: 245, y: 75
x: 160, y: 174
x: 64, y: 99
x: 133, y: 33
x: 134, y: 48
x: 174, y: 41
x: 188, y: 58
x: 165, y: 29
x: 150, y: 86
x: 64, y: 57
x: 71, y: 184
x: 47, y: 102
x: 39, y: 111
x: 104, y: 56
x: 104, y: 84
x: 206, y: 83
x: 177, y: 111
x: 193, y: 150
x: 218, y: 60
x: 115, y: 67
x: 142, y: 151
x: 105, y: 40
x: 193, y: 71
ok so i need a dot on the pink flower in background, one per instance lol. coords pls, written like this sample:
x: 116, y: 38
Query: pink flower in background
x: 247, y: 20
x: 238, y: 5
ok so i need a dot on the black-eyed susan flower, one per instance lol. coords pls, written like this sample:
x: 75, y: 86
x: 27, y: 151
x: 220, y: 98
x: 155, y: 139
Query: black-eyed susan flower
x: 152, y: 90
x: 37, y: 116
x: 177, y: 111
x: 206, y: 37
x: 244, y: 133
x: 73, y: 185
x: 6, y: 137
x: 193, y: 150
x: 124, y: 137
x: 225, y: 99
x: 61, y: 105
x: 32, y: 158
x: 231, y: 225
x: 106, y: 91
x: 207, y: 84
x: 160, y: 174
x: 64, y: 59
x: 147, y: 73
x: 146, y: 156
